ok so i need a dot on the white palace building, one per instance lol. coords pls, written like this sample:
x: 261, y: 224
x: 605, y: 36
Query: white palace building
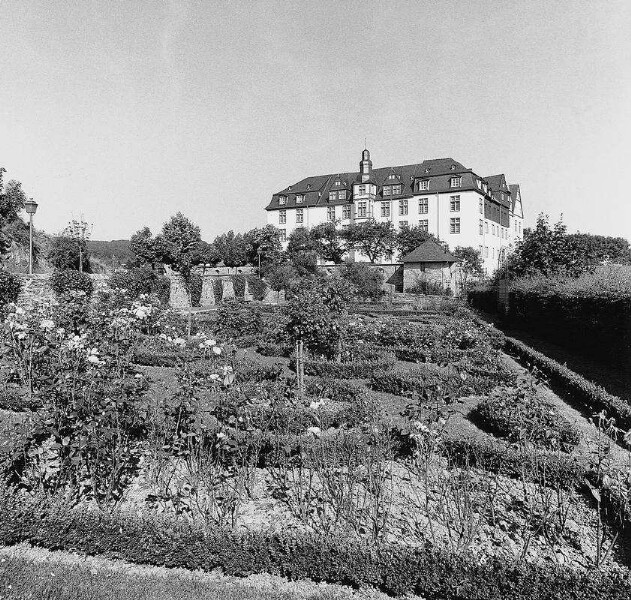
x: 458, y: 206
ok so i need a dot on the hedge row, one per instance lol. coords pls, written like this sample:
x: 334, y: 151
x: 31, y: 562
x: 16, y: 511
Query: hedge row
x: 546, y: 468
x: 587, y: 394
x: 393, y: 569
x: 358, y: 369
x: 428, y: 376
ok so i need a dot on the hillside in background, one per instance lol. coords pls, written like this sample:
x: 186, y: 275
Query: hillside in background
x: 109, y: 255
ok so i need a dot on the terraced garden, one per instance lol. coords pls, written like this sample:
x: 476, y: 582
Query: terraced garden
x: 404, y: 452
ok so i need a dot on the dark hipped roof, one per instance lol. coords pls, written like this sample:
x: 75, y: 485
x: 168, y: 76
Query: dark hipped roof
x: 316, y: 189
x: 499, y: 189
x: 429, y: 251
x: 515, y: 192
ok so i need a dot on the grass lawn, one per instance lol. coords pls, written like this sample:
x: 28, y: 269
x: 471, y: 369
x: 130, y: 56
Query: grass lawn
x: 33, y: 573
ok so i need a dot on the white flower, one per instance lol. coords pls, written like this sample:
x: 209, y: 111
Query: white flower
x: 21, y: 335
x: 19, y: 310
x: 214, y: 376
x: 221, y: 435
x: 46, y: 324
x: 217, y: 350
x: 420, y: 427
x: 140, y: 313
x: 316, y: 404
x: 179, y: 342
x: 316, y: 431
x: 94, y: 359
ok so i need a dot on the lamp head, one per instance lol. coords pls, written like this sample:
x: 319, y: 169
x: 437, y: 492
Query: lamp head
x: 30, y: 206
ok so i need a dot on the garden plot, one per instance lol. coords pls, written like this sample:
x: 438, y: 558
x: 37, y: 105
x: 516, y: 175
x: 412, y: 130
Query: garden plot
x: 419, y: 435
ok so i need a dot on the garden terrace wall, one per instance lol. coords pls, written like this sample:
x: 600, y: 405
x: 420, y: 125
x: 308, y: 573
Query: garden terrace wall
x: 36, y: 288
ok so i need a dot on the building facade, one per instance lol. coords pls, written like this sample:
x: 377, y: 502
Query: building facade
x: 442, y: 196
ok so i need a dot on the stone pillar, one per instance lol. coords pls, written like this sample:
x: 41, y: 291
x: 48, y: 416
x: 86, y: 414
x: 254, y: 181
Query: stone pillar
x: 208, y: 291
x: 228, y: 289
x: 178, y: 297
x: 247, y: 296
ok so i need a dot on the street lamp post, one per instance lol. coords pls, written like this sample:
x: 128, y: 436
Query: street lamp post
x: 30, y: 206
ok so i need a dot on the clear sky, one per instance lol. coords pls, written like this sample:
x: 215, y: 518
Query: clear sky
x: 126, y: 112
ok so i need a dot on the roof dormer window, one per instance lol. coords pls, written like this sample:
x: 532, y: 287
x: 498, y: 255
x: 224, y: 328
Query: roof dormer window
x: 282, y: 200
x: 455, y: 182
x: 478, y: 183
x: 423, y: 184
x: 299, y: 198
x: 453, y: 167
x: 342, y: 194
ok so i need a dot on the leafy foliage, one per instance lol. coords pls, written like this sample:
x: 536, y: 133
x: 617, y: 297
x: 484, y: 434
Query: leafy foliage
x: 410, y: 238
x: 137, y: 281
x: 328, y: 243
x: 375, y: 240
x: 66, y: 253
x: 520, y: 415
x: 232, y: 249
x: 64, y: 282
x: 366, y: 281
x: 10, y: 287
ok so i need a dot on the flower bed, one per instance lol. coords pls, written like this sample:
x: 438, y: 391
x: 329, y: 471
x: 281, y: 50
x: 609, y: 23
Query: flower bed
x: 359, y: 369
x: 519, y: 415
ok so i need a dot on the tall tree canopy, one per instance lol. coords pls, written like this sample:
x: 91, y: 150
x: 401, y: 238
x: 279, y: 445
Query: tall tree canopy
x: 177, y: 244
x: 328, y: 243
x: 375, y: 240
x: 232, y: 249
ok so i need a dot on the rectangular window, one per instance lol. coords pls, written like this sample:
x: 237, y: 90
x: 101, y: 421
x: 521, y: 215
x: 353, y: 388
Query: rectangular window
x: 282, y: 235
x: 424, y: 225
x: 403, y: 223
x: 481, y: 207
x: 342, y: 194
x: 346, y: 212
x: 455, y: 182
x: 282, y: 216
x: 385, y: 209
x: 486, y: 226
x: 282, y: 200
x: 330, y: 213
x: 332, y: 195
x: 423, y: 206
x: 454, y: 203
x: 481, y: 226
x: 387, y: 190
x: 486, y: 251
x: 361, y: 209
x: 454, y: 225
x: 423, y: 185
x: 396, y: 189
x: 362, y: 190
x: 299, y: 199
x: 403, y: 207
x: 299, y: 215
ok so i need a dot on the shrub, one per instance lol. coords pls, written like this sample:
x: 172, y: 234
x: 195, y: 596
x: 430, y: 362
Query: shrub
x: 519, y: 415
x: 428, y: 288
x: 218, y: 290
x: 238, y: 284
x: 578, y: 390
x: 336, y: 390
x: 366, y: 279
x: 249, y: 370
x: 393, y: 569
x: 195, y: 288
x: 235, y: 319
x: 64, y: 282
x: 10, y: 287
x: 141, y: 280
x: 271, y: 349
x: 257, y: 287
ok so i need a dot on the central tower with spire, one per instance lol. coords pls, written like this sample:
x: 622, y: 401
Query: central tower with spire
x: 365, y: 166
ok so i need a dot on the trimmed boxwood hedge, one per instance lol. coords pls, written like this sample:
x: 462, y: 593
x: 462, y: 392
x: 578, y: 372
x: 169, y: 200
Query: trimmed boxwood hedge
x: 589, y: 396
x: 358, y: 369
x: 393, y: 569
x: 547, y: 468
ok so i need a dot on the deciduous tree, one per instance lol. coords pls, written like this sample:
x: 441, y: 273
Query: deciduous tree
x: 375, y: 240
